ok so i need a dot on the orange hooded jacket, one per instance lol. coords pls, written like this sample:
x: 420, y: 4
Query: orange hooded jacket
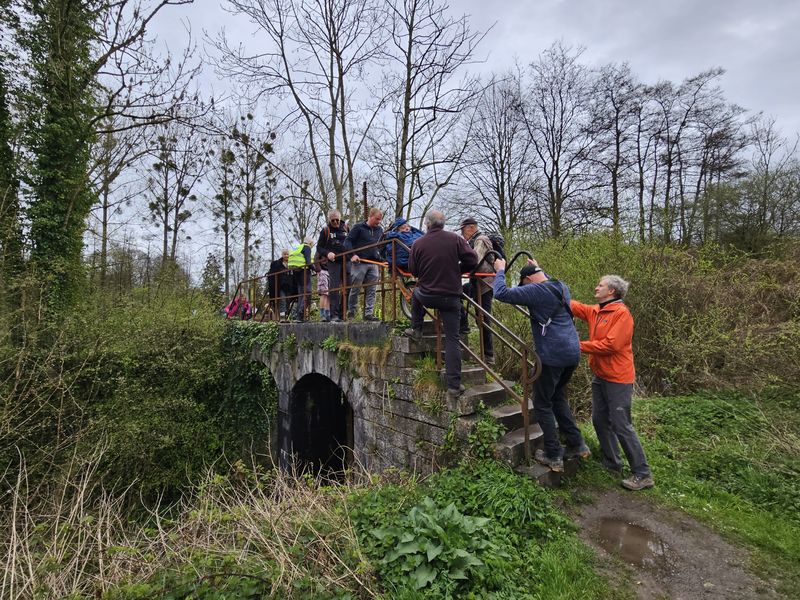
x: 610, y: 337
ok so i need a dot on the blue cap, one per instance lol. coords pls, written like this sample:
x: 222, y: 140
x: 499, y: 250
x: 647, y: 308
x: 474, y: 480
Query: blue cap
x: 398, y: 222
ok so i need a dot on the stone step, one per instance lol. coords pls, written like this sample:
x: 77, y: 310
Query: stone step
x: 491, y: 394
x: 471, y: 375
x: 510, y: 415
x: 511, y: 446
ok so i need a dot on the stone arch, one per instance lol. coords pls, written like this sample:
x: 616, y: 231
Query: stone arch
x: 320, y: 426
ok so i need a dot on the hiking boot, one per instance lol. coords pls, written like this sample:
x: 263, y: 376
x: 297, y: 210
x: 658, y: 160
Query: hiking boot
x: 489, y: 358
x: 371, y: 318
x: 581, y: 451
x: 638, y: 482
x: 414, y: 334
x: 555, y: 464
x: 454, y: 394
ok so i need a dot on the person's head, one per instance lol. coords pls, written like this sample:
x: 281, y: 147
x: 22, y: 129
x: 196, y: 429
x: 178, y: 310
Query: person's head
x: 611, y: 287
x: 400, y: 224
x: 434, y: 218
x: 308, y: 242
x: 334, y: 217
x: 284, y: 254
x: 468, y: 227
x: 531, y: 274
x: 375, y: 217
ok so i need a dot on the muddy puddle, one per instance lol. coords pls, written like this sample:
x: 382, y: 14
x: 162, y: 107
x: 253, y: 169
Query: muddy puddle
x: 632, y: 543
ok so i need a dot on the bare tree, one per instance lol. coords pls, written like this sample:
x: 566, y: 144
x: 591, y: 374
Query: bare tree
x: 180, y: 163
x: 416, y: 149
x: 556, y: 114
x: 499, y: 168
x: 320, y: 52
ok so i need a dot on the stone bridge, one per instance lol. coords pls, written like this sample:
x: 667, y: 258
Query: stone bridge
x: 356, y: 394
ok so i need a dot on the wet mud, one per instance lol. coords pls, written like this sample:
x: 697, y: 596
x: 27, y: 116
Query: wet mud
x: 665, y: 553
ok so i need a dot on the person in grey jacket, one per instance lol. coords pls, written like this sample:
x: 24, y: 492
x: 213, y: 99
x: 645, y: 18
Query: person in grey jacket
x: 557, y: 344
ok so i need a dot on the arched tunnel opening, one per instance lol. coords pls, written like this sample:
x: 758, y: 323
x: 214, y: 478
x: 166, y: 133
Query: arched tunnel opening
x: 321, y: 423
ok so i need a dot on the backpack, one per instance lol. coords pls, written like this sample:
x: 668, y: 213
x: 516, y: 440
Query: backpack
x: 498, y: 243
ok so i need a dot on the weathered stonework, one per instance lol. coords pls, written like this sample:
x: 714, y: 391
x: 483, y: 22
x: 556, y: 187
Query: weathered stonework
x: 389, y: 429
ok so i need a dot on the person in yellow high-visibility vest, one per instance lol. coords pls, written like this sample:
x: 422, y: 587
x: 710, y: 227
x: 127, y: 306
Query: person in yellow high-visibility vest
x: 300, y: 263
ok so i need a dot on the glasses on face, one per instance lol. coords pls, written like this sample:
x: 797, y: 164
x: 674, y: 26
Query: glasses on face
x: 335, y: 220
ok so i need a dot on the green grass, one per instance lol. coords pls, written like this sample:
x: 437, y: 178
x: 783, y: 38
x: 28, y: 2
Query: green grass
x: 732, y: 461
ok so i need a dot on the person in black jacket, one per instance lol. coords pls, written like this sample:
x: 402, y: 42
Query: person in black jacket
x: 330, y: 246
x: 362, y: 237
x: 437, y: 260
x: 281, y: 283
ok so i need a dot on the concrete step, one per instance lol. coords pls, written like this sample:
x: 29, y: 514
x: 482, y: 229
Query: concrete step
x: 510, y: 415
x: 511, y: 446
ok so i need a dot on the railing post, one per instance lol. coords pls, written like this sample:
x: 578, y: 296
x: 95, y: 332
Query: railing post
x: 524, y: 405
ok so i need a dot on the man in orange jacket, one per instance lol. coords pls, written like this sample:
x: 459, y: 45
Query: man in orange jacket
x: 611, y: 360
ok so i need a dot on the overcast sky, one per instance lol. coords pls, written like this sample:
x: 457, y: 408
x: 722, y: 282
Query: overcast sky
x: 756, y: 42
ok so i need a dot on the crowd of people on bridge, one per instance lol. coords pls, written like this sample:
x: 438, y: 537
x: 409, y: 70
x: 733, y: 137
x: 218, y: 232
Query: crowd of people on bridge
x: 437, y: 259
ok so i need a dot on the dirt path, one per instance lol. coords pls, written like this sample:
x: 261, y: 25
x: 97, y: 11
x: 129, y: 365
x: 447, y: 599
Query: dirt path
x: 667, y: 554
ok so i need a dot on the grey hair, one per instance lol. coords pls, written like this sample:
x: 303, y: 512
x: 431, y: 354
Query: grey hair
x: 618, y: 284
x: 334, y: 213
x: 434, y: 218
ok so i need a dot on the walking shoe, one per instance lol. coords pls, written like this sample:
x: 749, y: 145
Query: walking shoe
x: 371, y: 318
x: 581, y: 451
x: 453, y: 394
x: 613, y: 469
x: 555, y: 464
x: 638, y: 482
x: 489, y: 359
x: 414, y: 334
x: 336, y: 320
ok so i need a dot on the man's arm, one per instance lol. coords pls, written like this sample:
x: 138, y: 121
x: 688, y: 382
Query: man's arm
x: 580, y: 310
x: 518, y: 295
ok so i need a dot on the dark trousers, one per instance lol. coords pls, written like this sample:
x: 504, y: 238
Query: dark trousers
x: 485, y: 300
x: 302, y: 281
x: 552, y: 410
x: 449, y: 307
x: 335, y: 281
x: 611, y: 417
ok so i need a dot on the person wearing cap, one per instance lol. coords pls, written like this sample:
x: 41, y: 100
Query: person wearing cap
x: 557, y: 344
x: 402, y: 231
x: 479, y: 288
x: 437, y: 260
x: 363, y: 237
x: 330, y: 247
x: 610, y: 353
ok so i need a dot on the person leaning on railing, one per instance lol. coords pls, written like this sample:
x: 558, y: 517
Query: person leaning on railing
x: 557, y: 344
